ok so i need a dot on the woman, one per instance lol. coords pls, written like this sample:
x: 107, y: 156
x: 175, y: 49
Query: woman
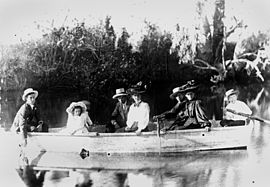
x: 194, y: 114
x: 139, y: 111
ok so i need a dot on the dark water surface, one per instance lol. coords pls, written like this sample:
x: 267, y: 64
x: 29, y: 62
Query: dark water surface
x: 249, y: 167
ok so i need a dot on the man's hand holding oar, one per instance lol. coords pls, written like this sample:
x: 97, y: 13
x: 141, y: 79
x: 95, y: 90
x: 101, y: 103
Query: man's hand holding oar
x: 249, y: 116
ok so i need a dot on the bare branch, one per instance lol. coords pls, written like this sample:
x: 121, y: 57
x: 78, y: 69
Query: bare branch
x: 207, y: 65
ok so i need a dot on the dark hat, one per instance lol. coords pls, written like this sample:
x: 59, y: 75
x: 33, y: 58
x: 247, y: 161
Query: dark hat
x: 190, y: 86
x: 139, y: 88
x: 119, y: 92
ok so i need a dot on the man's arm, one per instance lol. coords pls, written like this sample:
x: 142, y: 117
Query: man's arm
x: 115, y: 112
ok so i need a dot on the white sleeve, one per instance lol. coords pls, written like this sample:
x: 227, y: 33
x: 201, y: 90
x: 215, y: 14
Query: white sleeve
x: 69, y: 121
x: 88, y: 120
x: 130, y: 118
x: 144, y: 120
x: 245, y: 109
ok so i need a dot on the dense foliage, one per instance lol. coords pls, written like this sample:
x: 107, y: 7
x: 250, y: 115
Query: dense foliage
x: 94, y: 58
x: 87, y: 58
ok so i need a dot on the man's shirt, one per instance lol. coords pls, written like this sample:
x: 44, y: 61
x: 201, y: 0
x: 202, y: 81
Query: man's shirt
x: 240, y: 107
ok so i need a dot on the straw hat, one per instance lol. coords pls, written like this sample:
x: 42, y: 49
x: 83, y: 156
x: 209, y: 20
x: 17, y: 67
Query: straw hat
x: 29, y: 91
x: 76, y: 104
x: 231, y: 92
x: 119, y: 92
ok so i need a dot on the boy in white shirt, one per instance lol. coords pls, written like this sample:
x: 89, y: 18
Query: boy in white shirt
x: 232, y: 118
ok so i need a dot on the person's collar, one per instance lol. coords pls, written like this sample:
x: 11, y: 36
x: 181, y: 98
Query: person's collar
x: 137, y: 104
x: 32, y: 106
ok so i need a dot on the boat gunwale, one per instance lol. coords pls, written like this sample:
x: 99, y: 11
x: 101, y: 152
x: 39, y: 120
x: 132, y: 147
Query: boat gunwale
x: 143, y: 134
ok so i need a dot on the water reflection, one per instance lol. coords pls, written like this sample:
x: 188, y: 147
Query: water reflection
x: 193, y: 169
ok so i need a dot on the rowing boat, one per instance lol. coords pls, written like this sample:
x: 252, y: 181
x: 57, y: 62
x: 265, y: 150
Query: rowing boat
x: 177, y: 141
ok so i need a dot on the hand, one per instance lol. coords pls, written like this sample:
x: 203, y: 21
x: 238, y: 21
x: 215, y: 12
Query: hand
x: 115, y: 124
x: 127, y: 129
x: 32, y: 128
x: 207, y: 129
x: 155, y: 118
x: 24, y: 142
x: 138, y: 132
x: 158, y: 117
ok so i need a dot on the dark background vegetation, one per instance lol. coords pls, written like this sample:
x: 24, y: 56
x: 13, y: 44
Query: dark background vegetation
x: 92, y: 61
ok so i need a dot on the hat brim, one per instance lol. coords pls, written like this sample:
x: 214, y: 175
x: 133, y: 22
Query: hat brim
x: 135, y: 92
x: 119, y: 95
x: 232, y: 93
x: 173, y: 95
x: 189, y: 89
x: 32, y: 92
x: 76, y: 104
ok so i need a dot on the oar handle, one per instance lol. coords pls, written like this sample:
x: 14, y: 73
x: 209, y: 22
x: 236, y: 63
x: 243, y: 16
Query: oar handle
x: 249, y: 116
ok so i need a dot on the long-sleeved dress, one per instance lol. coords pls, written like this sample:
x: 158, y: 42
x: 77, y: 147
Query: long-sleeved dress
x: 78, y: 124
x: 194, y: 116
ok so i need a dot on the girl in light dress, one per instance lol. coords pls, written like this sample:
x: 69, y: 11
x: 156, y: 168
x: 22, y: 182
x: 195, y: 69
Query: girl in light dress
x: 78, y: 121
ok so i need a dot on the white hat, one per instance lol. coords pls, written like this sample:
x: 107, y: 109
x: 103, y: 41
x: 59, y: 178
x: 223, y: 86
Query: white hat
x: 119, y: 92
x: 29, y: 91
x: 76, y: 104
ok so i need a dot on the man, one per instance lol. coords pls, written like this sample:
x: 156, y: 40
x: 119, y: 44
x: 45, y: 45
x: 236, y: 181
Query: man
x: 193, y: 115
x: 138, y: 115
x: 177, y: 111
x: 27, y: 118
x: 119, y: 114
x: 232, y: 110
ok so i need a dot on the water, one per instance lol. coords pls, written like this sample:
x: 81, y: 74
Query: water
x: 249, y: 167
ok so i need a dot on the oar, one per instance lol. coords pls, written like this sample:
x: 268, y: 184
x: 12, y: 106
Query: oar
x: 249, y: 116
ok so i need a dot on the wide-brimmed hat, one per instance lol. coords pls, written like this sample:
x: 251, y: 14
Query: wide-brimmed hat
x: 29, y: 91
x: 119, y: 92
x: 76, y: 104
x: 231, y: 92
x: 139, y: 88
x: 176, y: 91
x: 190, y: 86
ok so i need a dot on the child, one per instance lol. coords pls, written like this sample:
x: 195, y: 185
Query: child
x: 78, y: 121
x: 28, y: 118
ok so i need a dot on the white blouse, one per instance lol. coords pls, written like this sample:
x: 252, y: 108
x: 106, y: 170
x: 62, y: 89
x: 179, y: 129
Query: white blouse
x: 138, y: 115
x: 78, y: 123
x: 240, y: 107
